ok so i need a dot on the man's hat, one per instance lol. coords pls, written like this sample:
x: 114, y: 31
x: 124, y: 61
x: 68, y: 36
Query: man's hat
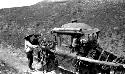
x: 74, y: 20
x: 28, y: 36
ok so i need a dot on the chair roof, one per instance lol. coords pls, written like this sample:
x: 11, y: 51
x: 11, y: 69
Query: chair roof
x: 77, y: 25
x: 80, y: 28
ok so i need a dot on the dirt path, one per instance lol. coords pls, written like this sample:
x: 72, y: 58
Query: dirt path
x: 19, y: 63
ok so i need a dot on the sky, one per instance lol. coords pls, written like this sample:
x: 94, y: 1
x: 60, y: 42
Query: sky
x: 19, y: 3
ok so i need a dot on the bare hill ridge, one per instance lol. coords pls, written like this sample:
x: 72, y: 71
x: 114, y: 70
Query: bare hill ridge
x: 107, y: 15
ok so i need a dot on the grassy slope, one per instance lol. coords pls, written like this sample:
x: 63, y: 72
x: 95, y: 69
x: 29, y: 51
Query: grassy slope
x: 15, y: 23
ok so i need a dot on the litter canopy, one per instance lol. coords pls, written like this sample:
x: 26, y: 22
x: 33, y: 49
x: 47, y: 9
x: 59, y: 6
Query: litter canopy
x: 81, y: 28
x: 77, y: 25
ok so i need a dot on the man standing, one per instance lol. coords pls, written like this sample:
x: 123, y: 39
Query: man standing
x: 31, y: 42
x: 75, y: 43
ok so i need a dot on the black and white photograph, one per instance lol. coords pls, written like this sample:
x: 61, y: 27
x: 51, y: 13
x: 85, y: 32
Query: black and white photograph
x: 62, y: 37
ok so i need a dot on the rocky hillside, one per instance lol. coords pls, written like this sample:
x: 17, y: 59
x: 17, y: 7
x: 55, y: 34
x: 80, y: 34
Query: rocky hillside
x: 107, y: 15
